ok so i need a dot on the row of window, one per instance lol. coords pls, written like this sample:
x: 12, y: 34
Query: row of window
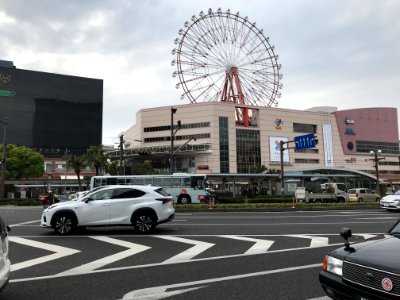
x: 177, y: 138
x: 368, y: 146
x: 183, y: 126
x: 306, y: 161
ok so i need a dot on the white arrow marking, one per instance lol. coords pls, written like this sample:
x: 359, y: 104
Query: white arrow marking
x: 59, y: 252
x: 260, y: 246
x: 158, y: 292
x: 188, y: 254
x: 316, y: 241
x: 86, y: 268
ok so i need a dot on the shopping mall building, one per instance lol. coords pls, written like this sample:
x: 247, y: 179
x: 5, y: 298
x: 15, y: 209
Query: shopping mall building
x: 208, y: 139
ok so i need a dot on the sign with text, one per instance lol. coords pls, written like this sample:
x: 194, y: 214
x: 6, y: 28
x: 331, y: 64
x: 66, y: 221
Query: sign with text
x: 4, y: 93
x: 304, y: 141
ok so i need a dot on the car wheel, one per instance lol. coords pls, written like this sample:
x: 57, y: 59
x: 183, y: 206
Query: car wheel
x: 184, y: 199
x: 360, y: 200
x: 64, y: 224
x: 144, y: 222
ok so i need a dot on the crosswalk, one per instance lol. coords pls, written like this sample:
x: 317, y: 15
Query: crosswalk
x: 122, y: 250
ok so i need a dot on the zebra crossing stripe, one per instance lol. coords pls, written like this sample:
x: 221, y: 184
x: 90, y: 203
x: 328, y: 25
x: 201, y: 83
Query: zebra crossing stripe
x: 188, y: 254
x: 97, y: 264
x: 58, y: 252
x: 260, y: 246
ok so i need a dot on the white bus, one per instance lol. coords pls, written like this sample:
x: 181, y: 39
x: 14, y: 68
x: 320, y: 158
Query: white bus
x: 185, y: 188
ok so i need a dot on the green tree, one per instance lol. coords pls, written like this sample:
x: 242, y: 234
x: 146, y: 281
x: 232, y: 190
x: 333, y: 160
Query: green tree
x: 22, y: 162
x: 96, y: 158
x: 77, y: 162
x: 112, y: 167
x: 145, y: 168
x: 259, y: 169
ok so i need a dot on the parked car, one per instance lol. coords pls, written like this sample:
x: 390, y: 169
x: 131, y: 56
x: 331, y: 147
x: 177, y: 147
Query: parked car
x: 391, y: 202
x: 363, y: 194
x: 5, y: 264
x: 143, y: 207
x: 366, y: 270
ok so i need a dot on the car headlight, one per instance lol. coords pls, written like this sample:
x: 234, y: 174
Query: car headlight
x: 51, y: 206
x: 333, y: 265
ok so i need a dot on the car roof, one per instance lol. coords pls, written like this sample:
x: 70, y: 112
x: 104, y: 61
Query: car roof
x: 136, y: 186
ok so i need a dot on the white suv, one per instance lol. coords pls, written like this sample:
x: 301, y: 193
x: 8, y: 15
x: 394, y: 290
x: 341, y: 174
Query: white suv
x: 141, y: 206
x: 5, y: 264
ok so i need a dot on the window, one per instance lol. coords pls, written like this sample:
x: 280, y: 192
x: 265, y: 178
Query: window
x: 368, y: 146
x: 304, y: 128
x: 223, y: 145
x: 102, y: 195
x: 183, y: 126
x: 127, y: 193
x: 306, y: 161
x: 248, y: 150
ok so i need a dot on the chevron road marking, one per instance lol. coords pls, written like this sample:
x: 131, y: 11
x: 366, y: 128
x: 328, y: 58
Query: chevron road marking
x: 316, y: 241
x: 260, y: 246
x: 188, y: 254
x: 59, y: 252
x: 367, y: 236
x: 86, y: 268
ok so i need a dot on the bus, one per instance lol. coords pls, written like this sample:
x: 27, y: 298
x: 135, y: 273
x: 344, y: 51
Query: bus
x: 183, y: 187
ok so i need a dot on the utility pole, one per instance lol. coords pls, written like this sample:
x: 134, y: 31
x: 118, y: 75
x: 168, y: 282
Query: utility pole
x: 121, y: 155
x: 3, y: 158
x: 282, y: 175
x: 171, y: 160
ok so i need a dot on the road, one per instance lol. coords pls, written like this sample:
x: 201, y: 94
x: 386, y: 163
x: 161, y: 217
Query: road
x: 210, y: 255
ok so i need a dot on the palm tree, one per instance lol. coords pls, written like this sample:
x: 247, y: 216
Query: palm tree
x: 96, y: 158
x: 77, y: 162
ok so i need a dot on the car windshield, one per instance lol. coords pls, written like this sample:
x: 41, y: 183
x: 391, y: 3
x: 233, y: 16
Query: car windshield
x: 395, y: 231
x: 397, y: 192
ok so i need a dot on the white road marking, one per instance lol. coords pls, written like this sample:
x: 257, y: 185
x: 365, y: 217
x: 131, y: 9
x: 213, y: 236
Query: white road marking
x: 316, y: 241
x: 188, y: 254
x: 273, y: 224
x: 260, y: 246
x: 65, y: 274
x: 24, y: 223
x: 367, y: 236
x: 159, y: 292
x: 59, y: 252
x: 87, y: 268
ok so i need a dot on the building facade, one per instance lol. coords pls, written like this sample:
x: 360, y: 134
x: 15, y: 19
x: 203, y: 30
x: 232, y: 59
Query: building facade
x: 50, y: 112
x: 210, y: 140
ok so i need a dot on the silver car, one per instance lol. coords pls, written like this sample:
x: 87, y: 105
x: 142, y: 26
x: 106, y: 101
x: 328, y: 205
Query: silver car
x: 5, y: 264
x: 391, y: 202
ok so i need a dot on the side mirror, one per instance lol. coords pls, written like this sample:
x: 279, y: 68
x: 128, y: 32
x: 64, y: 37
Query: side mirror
x: 346, y: 234
x: 88, y: 200
x: 8, y: 228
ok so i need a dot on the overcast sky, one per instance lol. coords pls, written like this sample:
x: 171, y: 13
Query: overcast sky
x: 343, y: 53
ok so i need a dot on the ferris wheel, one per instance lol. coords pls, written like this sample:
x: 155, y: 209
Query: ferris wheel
x: 223, y: 57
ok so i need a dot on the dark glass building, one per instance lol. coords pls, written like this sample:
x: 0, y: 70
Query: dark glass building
x: 50, y: 112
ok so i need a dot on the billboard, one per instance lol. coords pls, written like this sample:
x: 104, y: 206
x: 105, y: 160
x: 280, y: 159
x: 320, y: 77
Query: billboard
x: 274, y: 149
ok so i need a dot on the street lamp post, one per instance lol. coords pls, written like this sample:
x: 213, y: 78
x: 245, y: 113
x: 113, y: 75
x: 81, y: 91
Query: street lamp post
x: 3, y: 158
x: 376, y: 160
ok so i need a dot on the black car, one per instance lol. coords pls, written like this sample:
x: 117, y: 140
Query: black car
x: 367, y: 270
